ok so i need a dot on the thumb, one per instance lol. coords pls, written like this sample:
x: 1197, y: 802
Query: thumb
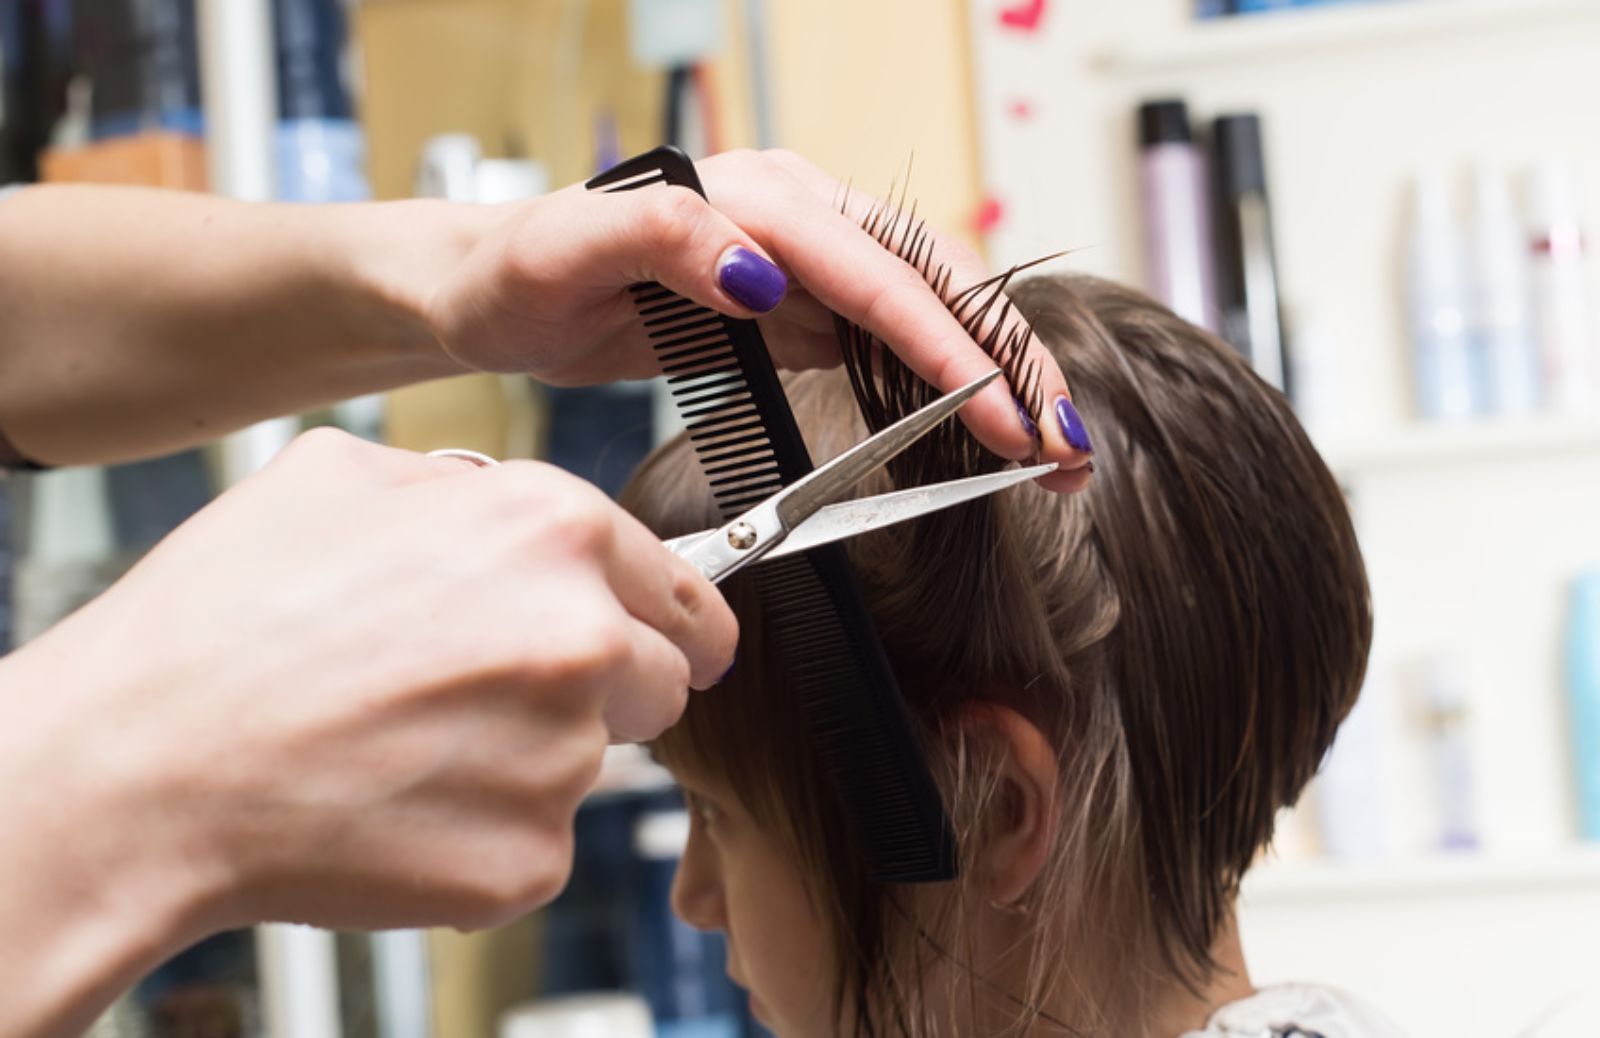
x: 673, y: 236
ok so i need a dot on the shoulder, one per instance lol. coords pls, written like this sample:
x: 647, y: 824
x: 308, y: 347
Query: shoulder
x: 1297, y: 1011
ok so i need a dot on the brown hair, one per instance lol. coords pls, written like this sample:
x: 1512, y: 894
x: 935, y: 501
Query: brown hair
x: 1189, y: 631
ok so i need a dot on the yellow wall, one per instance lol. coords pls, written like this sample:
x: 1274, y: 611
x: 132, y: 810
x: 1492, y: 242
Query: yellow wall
x: 860, y: 88
x: 526, y: 77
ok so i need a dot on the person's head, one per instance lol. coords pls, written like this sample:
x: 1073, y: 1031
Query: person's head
x: 1118, y: 691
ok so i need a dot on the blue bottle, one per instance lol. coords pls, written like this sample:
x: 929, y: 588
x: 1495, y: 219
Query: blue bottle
x: 1583, y: 698
x: 321, y: 150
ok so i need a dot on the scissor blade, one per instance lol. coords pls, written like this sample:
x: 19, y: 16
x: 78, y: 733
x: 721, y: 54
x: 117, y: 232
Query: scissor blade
x: 803, y: 498
x: 836, y: 522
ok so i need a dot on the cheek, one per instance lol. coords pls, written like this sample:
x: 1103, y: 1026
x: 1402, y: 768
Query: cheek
x: 778, y: 944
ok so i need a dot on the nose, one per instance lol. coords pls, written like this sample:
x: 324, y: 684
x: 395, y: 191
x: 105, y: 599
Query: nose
x: 697, y: 885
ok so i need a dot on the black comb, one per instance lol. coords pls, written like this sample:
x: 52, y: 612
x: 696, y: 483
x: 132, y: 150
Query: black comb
x: 749, y: 447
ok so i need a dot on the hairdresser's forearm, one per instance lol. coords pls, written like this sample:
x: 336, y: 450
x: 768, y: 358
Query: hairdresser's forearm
x: 96, y: 886
x: 134, y: 321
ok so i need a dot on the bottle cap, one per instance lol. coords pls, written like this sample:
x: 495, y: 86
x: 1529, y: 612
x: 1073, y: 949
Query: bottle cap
x: 1552, y: 193
x: 1241, y: 165
x: 1164, y: 122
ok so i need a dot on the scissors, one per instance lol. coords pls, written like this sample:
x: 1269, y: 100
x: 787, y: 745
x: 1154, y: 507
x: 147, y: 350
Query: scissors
x: 807, y: 513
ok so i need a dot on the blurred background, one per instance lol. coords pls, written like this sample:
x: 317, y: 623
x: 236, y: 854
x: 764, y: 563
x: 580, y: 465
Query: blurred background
x: 1387, y: 206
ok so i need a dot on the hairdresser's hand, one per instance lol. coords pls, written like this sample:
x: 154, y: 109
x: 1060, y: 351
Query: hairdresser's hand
x: 545, y: 289
x: 365, y: 688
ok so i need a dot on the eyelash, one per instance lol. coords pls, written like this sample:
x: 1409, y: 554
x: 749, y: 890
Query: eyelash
x: 708, y: 812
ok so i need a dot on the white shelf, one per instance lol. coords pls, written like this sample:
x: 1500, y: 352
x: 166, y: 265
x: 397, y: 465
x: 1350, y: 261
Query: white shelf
x: 1219, y: 42
x: 1471, y: 442
x: 1468, y: 873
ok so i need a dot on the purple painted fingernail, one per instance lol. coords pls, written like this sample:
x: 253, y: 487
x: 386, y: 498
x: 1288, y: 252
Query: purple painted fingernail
x: 1072, y: 426
x: 729, y: 671
x: 1027, y: 421
x: 751, y: 279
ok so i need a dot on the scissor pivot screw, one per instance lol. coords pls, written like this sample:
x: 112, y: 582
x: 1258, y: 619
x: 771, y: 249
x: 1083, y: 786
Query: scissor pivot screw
x: 742, y: 536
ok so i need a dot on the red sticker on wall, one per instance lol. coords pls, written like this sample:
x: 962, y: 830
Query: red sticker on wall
x: 990, y: 213
x: 1024, y: 15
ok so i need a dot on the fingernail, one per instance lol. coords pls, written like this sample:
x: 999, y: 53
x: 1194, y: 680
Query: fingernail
x: 1027, y: 422
x: 1072, y: 426
x: 729, y: 671
x: 751, y: 279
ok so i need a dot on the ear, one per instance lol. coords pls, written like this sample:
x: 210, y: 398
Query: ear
x: 1019, y: 825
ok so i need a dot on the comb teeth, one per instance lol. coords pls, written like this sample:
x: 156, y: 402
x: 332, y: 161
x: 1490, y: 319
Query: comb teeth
x: 713, y: 396
x: 744, y: 435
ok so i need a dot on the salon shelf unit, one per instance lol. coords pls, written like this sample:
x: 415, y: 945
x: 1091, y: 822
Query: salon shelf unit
x: 1294, y: 34
x: 1461, y: 874
x: 1471, y: 531
x: 1480, y: 943
x: 1482, y: 442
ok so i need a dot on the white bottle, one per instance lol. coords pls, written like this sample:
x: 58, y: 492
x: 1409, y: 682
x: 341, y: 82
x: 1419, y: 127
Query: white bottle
x: 1562, y: 315
x: 1500, y: 315
x: 1447, y: 369
x: 1446, y: 720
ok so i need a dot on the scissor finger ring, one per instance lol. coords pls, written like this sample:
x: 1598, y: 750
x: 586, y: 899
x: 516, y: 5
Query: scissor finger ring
x: 478, y: 459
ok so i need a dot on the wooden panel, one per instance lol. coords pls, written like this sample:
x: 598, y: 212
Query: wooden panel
x: 859, y: 95
x: 525, y: 77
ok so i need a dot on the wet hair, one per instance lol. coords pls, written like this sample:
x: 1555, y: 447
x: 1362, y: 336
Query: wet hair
x: 1188, y: 631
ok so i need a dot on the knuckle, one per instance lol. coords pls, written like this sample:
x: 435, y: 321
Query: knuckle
x: 581, y: 524
x: 530, y: 872
x: 322, y: 442
x: 517, y: 493
x: 542, y: 873
x: 676, y: 696
x: 587, y: 652
x: 895, y: 292
x: 581, y: 769
x: 672, y: 217
x: 642, y: 713
x: 554, y: 507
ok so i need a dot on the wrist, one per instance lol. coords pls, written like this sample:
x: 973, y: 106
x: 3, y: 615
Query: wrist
x: 397, y: 254
x: 107, y: 886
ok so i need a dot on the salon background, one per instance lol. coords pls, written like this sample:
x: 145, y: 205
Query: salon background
x: 1388, y: 207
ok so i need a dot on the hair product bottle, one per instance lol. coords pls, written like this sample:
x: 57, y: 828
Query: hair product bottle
x: 1500, y: 316
x: 1583, y: 697
x: 1446, y: 722
x: 1560, y: 289
x: 1447, y: 371
x: 1247, y: 272
x: 1177, y: 225
x: 320, y: 148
